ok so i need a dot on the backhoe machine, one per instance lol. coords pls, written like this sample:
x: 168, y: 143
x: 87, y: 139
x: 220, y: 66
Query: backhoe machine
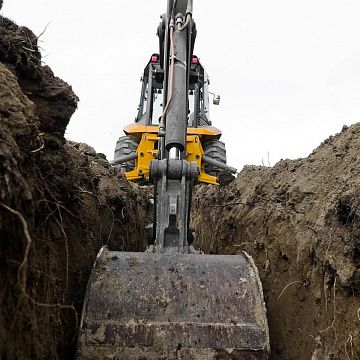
x: 172, y: 302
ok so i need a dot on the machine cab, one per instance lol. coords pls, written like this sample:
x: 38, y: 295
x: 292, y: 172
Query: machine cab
x: 152, y: 99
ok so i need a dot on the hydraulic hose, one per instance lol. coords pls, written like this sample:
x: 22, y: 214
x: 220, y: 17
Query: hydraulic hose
x: 171, y: 77
x: 189, y: 11
x: 187, y: 22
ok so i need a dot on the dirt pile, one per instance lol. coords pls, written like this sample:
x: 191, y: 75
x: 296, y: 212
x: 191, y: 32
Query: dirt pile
x: 300, y: 220
x: 59, y: 203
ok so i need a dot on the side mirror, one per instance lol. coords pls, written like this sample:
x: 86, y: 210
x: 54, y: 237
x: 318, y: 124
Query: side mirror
x: 216, y: 100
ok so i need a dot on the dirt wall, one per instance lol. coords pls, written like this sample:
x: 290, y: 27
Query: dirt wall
x: 300, y: 222
x: 59, y: 203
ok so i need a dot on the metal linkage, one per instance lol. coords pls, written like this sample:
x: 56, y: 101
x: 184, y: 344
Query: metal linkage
x: 124, y: 159
x: 173, y: 184
x: 218, y: 164
x: 174, y: 177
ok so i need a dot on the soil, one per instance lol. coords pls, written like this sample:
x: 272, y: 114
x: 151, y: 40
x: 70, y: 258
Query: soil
x: 61, y: 201
x: 300, y: 222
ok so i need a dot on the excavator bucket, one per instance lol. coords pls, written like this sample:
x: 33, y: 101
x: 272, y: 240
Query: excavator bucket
x: 173, y: 306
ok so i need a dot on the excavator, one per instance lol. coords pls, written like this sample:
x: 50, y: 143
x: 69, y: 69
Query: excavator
x: 172, y: 301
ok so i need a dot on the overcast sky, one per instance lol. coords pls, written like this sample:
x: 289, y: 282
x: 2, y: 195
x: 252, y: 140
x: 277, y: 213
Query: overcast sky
x: 288, y: 71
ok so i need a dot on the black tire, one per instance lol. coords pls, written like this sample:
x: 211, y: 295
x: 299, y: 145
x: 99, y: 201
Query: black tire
x: 126, y: 145
x: 216, y: 150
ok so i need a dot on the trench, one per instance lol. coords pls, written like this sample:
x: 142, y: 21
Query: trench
x: 61, y: 201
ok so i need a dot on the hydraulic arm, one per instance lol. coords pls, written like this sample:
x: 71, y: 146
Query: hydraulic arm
x: 171, y: 302
x: 172, y: 175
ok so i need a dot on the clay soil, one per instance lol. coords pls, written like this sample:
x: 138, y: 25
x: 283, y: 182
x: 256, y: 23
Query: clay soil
x: 61, y: 201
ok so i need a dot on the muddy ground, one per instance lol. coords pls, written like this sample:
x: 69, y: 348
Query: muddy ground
x: 61, y: 201
x: 300, y: 222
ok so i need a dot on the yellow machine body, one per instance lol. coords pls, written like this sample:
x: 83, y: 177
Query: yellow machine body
x: 147, y: 149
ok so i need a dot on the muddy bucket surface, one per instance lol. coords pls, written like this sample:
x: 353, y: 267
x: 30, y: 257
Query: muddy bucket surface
x: 166, y: 306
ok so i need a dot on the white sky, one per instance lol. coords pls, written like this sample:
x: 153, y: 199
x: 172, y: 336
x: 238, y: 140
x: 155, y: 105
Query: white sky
x: 288, y: 71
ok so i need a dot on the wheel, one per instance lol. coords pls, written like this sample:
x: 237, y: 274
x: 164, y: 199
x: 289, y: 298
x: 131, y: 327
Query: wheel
x: 216, y: 150
x: 126, y: 145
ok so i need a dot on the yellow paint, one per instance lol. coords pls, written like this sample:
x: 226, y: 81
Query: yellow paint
x: 137, y: 130
x: 147, y: 149
x: 146, y: 152
x: 195, y: 152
